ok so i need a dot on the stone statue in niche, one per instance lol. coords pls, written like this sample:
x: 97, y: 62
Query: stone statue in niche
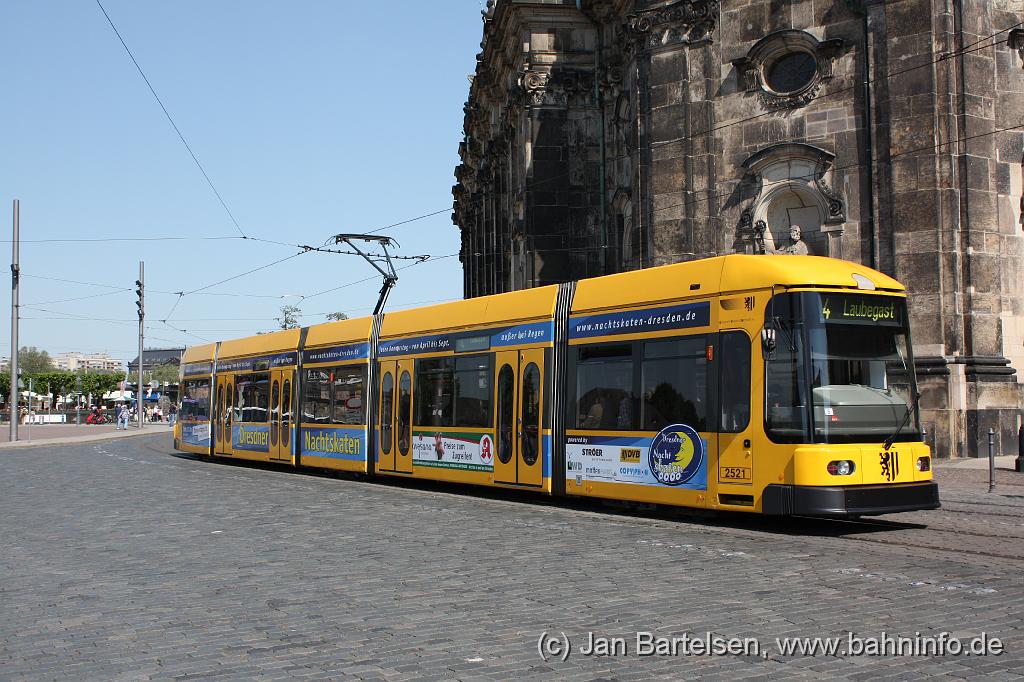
x: 795, y: 245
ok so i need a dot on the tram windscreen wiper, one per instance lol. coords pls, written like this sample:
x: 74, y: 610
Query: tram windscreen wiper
x: 889, y: 441
x: 906, y: 415
x: 781, y: 324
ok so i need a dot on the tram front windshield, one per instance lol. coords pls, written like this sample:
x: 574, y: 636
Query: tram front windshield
x: 841, y: 370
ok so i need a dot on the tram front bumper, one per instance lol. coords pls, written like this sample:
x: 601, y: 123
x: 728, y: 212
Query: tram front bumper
x: 805, y: 500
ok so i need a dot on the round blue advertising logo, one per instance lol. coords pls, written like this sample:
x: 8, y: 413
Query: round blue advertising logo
x: 676, y: 454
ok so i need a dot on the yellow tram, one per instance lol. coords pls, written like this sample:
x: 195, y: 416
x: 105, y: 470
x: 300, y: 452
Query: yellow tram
x: 771, y: 384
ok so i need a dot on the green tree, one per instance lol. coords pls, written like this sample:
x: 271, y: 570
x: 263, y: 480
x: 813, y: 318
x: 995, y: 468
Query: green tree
x: 98, y: 384
x: 162, y: 373
x: 31, y: 360
x: 289, y: 317
x: 56, y: 383
x: 337, y: 316
x: 61, y: 383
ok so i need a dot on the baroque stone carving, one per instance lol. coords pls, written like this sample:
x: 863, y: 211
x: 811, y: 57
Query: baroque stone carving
x: 611, y: 81
x: 834, y: 200
x: 751, y: 70
x: 773, y: 101
x: 679, y: 23
x: 744, y: 233
x: 759, y: 229
x: 1015, y: 40
x: 771, y: 170
x: 559, y: 87
x: 534, y: 85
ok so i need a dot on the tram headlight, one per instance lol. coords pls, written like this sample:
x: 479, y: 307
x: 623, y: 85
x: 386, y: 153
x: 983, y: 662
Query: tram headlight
x: 842, y: 467
x: 924, y: 463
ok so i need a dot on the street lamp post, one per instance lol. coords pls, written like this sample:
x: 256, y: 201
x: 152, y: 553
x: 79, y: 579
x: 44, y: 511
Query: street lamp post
x: 15, y: 374
x: 29, y: 409
x: 140, y: 284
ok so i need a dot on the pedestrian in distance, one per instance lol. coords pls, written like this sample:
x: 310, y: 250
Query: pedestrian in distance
x: 122, y: 417
x: 172, y: 414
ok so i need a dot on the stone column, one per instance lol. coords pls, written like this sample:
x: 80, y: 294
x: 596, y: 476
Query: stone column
x: 675, y: 67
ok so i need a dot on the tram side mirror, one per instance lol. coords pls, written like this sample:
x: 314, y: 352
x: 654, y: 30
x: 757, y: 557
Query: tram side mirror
x: 768, y: 341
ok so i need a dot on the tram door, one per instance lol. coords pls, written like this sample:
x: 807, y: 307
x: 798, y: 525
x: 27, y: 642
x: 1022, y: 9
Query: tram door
x: 735, y: 454
x: 281, y: 415
x: 394, y: 439
x: 222, y: 415
x: 518, y: 400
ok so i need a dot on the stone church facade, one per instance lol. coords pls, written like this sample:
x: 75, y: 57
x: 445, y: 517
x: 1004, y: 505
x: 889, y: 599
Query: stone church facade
x: 610, y: 135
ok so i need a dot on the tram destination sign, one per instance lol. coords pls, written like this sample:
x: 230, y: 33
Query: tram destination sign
x: 852, y: 309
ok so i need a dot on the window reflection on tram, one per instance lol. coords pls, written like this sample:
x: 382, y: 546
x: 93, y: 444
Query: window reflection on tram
x: 252, y: 397
x: 334, y: 395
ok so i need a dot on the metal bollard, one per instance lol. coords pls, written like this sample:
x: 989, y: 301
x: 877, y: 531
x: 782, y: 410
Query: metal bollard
x: 991, y: 460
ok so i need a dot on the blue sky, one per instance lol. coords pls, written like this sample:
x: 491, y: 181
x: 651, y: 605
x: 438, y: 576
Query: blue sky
x: 311, y: 118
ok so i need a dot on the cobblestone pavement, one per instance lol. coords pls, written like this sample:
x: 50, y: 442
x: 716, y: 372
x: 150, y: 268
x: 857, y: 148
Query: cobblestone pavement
x: 121, y: 560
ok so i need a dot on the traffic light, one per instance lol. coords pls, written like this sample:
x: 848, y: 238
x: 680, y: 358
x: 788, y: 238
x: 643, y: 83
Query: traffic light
x: 140, y: 289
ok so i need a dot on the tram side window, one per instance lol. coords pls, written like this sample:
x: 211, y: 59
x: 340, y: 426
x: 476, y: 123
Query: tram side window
x: 252, y: 397
x: 195, y: 400
x: 316, y: 407
x: 675, y: 383
x: 347, y: 395
x: 334, y: 395
x: 434, y: 382
x: 473, y: 390
x: 785, y: 396
x: 734, y: 361
x: 605, y: 397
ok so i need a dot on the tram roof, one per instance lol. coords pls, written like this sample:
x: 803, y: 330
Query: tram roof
x: 342, y: 331
x: 274, y: 342
x: 201, y: 353
x: 732, y: 273
x: 740, y: 271
x: 514, y: 306
x: 722, y: 274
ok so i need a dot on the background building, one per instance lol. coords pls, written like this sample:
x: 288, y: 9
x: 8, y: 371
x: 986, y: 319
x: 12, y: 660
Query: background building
x: 608, y: 135
x: 155, y: 358
x: 160, y: 367
x: 94, y: 362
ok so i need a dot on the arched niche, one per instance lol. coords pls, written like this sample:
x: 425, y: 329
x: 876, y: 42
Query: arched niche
x: 790, y: 187
x: 626, y: 236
